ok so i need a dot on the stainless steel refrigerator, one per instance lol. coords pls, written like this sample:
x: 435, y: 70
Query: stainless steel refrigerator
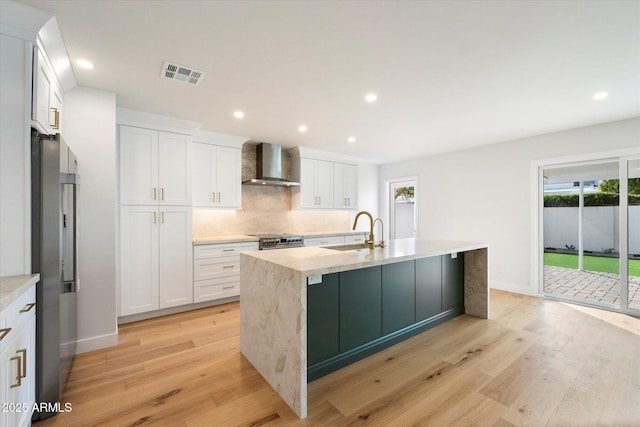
x: 54, y: 196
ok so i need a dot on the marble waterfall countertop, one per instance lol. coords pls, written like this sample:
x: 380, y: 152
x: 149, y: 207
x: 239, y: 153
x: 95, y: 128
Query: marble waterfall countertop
x: 11, y: 287
x: 273, y: 301
x: 311, y: 261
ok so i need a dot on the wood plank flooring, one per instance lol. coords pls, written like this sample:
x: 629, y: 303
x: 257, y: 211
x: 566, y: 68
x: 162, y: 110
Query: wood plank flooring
x: 537, y: 362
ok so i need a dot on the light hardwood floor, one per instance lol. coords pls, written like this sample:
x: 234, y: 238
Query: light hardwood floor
x: 537, y: 362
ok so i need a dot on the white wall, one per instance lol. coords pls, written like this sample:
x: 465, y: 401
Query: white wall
x: 483, y: 194
x: 89, y: 128
x: 15, y: 205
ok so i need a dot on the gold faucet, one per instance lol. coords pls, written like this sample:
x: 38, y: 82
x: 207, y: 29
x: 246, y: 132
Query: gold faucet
x: 371, y: 240
x: 381, y: 244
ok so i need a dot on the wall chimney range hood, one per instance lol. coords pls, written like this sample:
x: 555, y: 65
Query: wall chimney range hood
x: 269, y: 167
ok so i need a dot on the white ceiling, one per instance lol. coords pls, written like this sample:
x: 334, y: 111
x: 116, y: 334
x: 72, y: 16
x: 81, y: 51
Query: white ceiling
x: 449, y: 75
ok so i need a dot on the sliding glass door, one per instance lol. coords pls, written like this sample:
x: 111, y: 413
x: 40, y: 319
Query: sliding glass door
x: 590, y: 232
x: 581, y: 232
x: 632, y: 297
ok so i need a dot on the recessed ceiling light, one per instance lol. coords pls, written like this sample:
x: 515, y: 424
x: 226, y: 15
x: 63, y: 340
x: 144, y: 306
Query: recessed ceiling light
x: 371, y: 97
x: 84, y: 64
x: 302, y: 128
x: 351, y: 139
x: 600, y: 95
x: 238, y: 114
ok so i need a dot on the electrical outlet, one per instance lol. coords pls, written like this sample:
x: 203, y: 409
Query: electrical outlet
x: 314, y: 280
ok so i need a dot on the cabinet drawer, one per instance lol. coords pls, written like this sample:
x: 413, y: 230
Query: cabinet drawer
x: 323, y: 241
x: 213, y: 268
x: 16, y: 315
x: 359, y: 238
x: 207, y: 290
x: 222, y: 250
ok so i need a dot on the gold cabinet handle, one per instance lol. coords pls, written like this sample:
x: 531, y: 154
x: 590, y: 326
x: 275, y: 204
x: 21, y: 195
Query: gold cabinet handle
x: 4, y: 332
x: 213, y: 197
x: 28, y: 307
x: 218, y: 197
x: 155, y: 193
x: 18, y: 377
x: 56, y: 118
x: 162, y: 193
x: 228, y: 250
x: 162, y: 217
x: 228, y: 287
x: 228, y: 266
x: 23, y: 372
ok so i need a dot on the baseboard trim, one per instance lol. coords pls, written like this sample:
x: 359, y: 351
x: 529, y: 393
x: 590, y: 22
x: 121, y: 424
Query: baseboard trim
x: 174, y: 310
x: 96, y: 343
x: 510, y: 287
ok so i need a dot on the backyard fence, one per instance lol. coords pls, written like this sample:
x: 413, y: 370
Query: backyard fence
x: 600, y: 228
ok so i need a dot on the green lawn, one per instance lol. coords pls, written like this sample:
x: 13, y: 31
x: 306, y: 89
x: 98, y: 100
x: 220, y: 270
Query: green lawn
x: 591, y: 263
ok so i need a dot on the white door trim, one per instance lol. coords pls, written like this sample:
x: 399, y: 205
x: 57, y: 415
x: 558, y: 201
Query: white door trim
x: 537, y: 202
x: 387, y: 210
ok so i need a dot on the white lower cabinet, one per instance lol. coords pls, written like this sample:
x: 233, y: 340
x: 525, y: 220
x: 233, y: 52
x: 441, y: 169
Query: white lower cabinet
x: 216, y: 270
x: 155, y: 258
x: 334, y: 240
x: 355, y: 238
x: 323, y: 241
x: 17, y: 361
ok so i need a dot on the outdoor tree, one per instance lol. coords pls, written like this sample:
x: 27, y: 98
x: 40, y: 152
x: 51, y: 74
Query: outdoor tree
x: 405, y: 194
x: 613, y: 186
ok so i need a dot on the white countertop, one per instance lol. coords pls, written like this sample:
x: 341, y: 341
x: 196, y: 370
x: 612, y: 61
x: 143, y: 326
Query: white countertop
x: 318, y: 260
x: 330, y: 233
x: 204, y: 240
x: 11, y: 287
x: 223, y: 239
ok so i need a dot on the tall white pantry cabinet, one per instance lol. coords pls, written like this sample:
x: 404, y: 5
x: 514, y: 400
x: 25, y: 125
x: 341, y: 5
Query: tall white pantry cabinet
x: 156, y: 261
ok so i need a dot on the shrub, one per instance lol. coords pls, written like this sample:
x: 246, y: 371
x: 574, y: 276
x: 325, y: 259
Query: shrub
x: 590, y: 199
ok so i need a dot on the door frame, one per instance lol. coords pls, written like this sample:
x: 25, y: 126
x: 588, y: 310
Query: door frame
x: 537, y: 204
x: 388, y: 210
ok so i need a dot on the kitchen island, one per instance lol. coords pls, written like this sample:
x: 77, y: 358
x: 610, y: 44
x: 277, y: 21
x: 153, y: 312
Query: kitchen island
x: 312, y: 310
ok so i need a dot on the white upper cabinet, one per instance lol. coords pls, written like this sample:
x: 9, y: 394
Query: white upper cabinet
x: 316, y: 184
x: 345, y: 186
x: 154, y: 167
x: 46, y: 103
x: 324, y: 184
x: 217, y: 175
x: 138, y: 166
x: 174, y: 169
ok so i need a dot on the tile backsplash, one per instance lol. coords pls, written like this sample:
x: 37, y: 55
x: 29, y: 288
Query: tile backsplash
x: 265, y: 209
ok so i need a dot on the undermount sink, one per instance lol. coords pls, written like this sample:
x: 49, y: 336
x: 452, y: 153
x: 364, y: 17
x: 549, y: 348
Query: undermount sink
x: 350, y: 247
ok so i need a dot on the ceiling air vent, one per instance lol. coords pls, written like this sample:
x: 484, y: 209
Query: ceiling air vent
x: 181, y: 73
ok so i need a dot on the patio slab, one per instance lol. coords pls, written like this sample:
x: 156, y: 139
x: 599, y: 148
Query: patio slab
x: 590, y: 286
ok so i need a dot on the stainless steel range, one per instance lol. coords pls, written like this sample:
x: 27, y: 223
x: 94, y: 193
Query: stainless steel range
x: 279, y: 241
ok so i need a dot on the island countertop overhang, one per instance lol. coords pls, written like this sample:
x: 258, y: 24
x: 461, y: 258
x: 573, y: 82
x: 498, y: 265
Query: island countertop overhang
x: 311, y: 261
